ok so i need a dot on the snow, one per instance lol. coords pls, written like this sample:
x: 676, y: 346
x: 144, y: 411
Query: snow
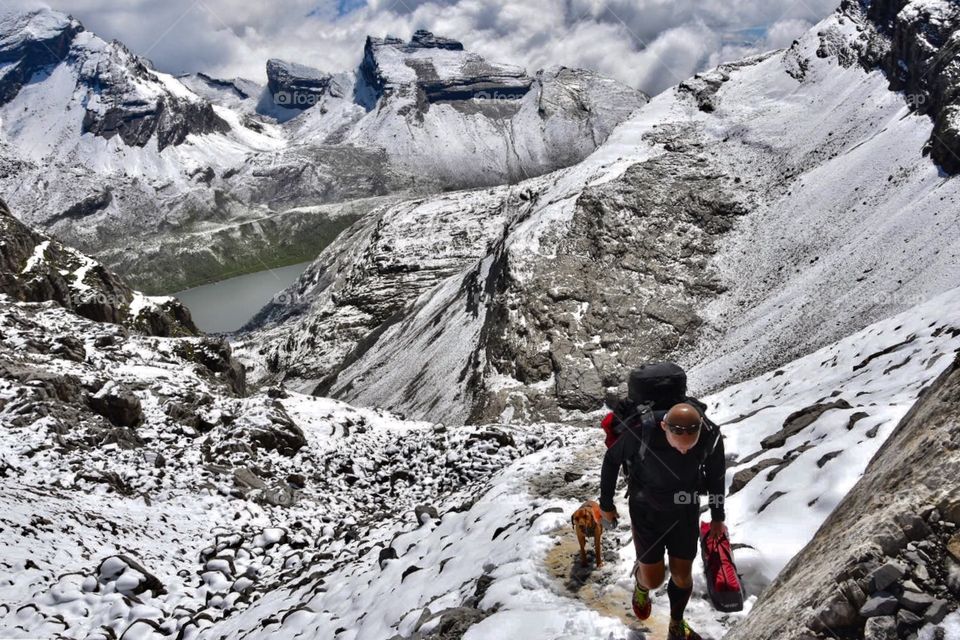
x: 37, y: 258
x: 884, y: 389
x: 86, y: 264
x: 950, y: 626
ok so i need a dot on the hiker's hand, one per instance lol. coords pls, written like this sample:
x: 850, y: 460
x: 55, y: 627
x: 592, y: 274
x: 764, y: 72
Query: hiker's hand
x: 717, y: 529
x: 610, y: 516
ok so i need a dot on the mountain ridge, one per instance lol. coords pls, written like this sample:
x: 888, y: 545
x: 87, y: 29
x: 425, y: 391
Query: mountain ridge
x: 113, y: 154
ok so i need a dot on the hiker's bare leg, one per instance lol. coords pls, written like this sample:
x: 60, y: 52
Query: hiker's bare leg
x: 681, y: 572
x: 650, y: 576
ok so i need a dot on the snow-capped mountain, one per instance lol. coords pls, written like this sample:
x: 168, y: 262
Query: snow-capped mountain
x: 785, y: 225
x: 757, y: 211
x: 175, y: 180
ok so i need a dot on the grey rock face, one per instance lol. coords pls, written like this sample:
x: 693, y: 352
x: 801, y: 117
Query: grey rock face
x: 906, y: 467
x: 126, y: 110
x: 916, y: 49
x: 296, y: 86
x: 35, y: 268
x: 387, y: 63
x: 643, y: 242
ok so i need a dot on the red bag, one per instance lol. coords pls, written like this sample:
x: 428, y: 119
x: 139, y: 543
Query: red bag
x: 723, y: 583
x: 608, y: 428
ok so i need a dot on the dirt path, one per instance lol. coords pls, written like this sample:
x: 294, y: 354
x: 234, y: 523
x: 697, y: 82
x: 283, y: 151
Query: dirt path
x: 596, y: 588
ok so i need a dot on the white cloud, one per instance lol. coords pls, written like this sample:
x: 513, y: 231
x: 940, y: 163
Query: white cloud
x: 650, y: 44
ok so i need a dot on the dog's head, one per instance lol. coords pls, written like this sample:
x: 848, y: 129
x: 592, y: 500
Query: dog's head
x: 583, y: 519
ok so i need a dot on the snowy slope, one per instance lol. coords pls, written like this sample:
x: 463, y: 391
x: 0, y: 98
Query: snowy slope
x: 143, y: 448
x: 745, y: 218
x: 485, y: 562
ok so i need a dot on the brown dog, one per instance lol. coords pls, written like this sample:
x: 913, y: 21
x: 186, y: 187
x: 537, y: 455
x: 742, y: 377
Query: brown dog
x: 588, y: 522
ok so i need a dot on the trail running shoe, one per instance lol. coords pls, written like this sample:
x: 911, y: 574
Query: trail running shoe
x: 682, y: 631
x: 641, y: 602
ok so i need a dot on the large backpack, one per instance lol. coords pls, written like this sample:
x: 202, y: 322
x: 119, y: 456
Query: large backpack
x: 652, y: 387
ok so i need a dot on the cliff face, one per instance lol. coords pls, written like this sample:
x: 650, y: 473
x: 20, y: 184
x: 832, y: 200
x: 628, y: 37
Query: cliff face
x: 36, y: 268
x: 917, y: 46
x: 438, y: 68
x: 887, y: 559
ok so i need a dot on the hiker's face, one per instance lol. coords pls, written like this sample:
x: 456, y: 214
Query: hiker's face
x: 682, y: 443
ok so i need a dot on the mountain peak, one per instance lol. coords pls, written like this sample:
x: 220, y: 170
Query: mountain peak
x: 426, y: 40
x: 30, y: 41
x: 439, y: 67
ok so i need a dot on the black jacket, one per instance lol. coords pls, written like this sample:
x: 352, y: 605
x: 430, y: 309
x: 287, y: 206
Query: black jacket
x: 666, y: 479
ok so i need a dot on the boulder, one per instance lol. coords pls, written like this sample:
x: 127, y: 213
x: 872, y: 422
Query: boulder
x: 880, y: 628
x: 386, y: 554
x: 423, y: 513
x: 127, y: 576
x: 936, y: 612
x: 800, y: 420
x: 915, y: 602
x: 835, y: 613
x: 881, y: 604
x: 117, y: 404
x: 885, y: 575
x: 907, y: 621
x: 744, y: 476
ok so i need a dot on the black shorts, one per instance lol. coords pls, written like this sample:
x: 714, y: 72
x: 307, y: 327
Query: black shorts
x: 676, y: 530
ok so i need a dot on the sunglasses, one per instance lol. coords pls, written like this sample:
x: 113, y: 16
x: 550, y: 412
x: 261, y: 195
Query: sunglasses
x: 683, y: 431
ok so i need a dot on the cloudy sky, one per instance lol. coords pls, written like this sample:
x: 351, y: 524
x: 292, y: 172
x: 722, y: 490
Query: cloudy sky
x: 650, y: 44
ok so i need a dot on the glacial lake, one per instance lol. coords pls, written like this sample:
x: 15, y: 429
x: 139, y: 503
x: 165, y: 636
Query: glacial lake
x: 227, y: 305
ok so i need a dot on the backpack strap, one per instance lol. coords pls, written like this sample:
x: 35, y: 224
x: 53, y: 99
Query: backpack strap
x: 648, y: 422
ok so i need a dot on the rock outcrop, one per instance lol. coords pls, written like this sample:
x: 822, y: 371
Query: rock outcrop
x: 37, y: 268
x: 882, y: 561
x: 32, y: 42
x: 438, y: 68
x: 917, y: 46
x: 297, y: 86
